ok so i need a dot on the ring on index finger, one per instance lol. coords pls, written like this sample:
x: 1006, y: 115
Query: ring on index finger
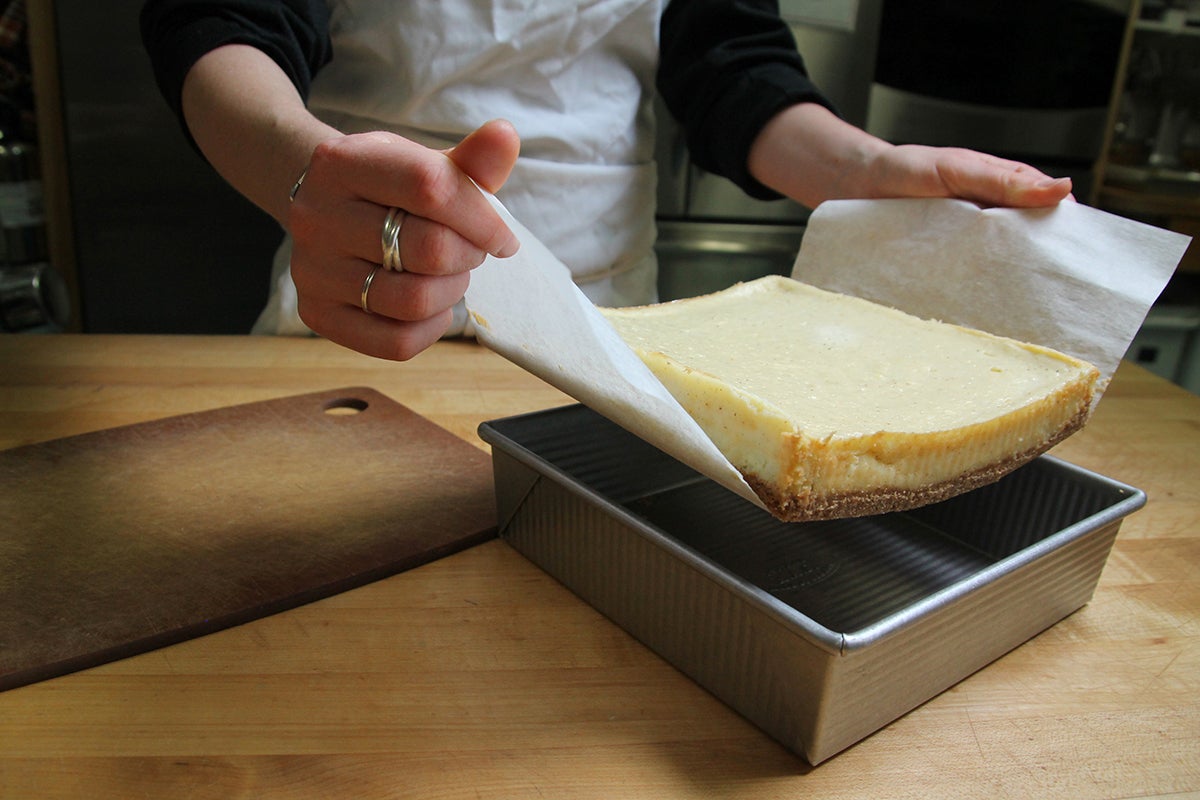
x: 390, y: 239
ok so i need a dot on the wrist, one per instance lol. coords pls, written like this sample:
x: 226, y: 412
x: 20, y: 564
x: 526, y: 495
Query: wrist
x: 810, y: 154
x: 250, y: 123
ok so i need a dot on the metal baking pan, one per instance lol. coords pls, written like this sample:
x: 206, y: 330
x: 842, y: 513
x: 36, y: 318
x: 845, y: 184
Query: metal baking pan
x: 820, y: 633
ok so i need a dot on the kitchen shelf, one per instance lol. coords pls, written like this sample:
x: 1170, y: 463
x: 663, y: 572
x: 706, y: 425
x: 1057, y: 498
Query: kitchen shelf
x: 1152, y: 195
x: 43, y: 55
x: 1154, y: 26
x: 1144, y: 177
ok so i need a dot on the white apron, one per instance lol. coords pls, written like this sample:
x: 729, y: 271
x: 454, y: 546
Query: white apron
x: 574, y: 78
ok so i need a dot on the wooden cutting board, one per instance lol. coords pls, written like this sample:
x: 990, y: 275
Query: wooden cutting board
x: 132, y: 538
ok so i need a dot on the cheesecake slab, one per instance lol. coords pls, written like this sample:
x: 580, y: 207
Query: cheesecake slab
x: 832, y: 406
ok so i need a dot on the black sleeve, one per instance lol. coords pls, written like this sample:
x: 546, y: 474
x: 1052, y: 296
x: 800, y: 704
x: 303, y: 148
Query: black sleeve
x: 176, y: 33
x: 726, y: 67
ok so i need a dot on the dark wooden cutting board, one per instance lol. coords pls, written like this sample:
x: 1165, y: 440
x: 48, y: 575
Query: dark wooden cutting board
x: 132, y: 538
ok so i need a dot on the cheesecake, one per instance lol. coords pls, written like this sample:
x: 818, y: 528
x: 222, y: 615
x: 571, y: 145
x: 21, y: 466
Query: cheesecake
x: 833, y: 406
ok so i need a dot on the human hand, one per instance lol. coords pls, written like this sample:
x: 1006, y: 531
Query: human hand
x: 337, y: 216
x: 811, y: 155
x: 920, y: 171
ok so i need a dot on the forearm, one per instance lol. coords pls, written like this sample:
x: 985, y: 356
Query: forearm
x: 250, y: 122
x: 810, y: 155
x: 726, y: 68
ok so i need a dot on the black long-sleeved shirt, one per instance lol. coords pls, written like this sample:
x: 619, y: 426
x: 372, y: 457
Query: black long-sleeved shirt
x: 725, y: 68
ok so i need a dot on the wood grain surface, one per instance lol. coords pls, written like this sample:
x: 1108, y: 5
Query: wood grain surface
x: 130, y: 538
x: 478, y: 676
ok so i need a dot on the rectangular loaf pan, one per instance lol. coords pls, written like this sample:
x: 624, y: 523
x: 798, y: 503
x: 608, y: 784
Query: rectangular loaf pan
x: 820, y: 633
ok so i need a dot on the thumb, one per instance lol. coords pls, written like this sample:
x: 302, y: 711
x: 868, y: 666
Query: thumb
x: 488, y: 154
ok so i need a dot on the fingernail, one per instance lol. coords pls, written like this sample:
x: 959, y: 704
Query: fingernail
x: 1050, y: 183
x: 508, y: 248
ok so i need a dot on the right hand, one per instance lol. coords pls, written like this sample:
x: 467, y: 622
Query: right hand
x: 337, y: 217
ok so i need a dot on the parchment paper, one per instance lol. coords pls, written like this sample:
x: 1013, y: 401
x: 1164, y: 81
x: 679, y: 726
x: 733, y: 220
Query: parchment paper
x: 1071, y: 277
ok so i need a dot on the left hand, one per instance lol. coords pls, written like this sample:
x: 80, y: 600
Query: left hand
x: 811, y: 155
x: 920, y: 171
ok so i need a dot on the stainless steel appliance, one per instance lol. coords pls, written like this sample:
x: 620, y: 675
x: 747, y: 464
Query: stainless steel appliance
x: 33, y: 298
x: 1026, y: 79
x: 711, y: 234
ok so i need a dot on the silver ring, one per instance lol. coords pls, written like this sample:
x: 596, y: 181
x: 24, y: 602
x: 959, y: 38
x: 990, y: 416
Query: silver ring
x: 390, y: 239
x: 362, y: 298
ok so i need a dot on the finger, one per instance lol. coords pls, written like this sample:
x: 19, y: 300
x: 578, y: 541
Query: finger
x: 1037, y: 192
x: 999, y: 182
x: 353, y: 230
x: 433, y: 249
x: 411, y: 297
x: 488, y: 154
x: 404, y: 296
x: 373, y: 334
x: 392, y: 171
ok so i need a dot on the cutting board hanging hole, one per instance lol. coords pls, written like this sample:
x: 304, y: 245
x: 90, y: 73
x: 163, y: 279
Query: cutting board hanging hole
x: 344, y: 406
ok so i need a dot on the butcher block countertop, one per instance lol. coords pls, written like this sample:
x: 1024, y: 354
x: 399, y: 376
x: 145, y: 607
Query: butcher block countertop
x: 477, y: 675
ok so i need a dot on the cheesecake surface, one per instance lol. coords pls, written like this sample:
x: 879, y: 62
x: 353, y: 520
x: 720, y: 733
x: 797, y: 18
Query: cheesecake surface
x: 831, y: 405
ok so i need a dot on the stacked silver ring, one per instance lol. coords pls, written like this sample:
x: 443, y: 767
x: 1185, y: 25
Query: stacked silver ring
x: 390, y: 238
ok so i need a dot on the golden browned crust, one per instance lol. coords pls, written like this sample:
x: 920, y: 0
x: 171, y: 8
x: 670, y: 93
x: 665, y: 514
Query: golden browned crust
x: 790, y: 508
